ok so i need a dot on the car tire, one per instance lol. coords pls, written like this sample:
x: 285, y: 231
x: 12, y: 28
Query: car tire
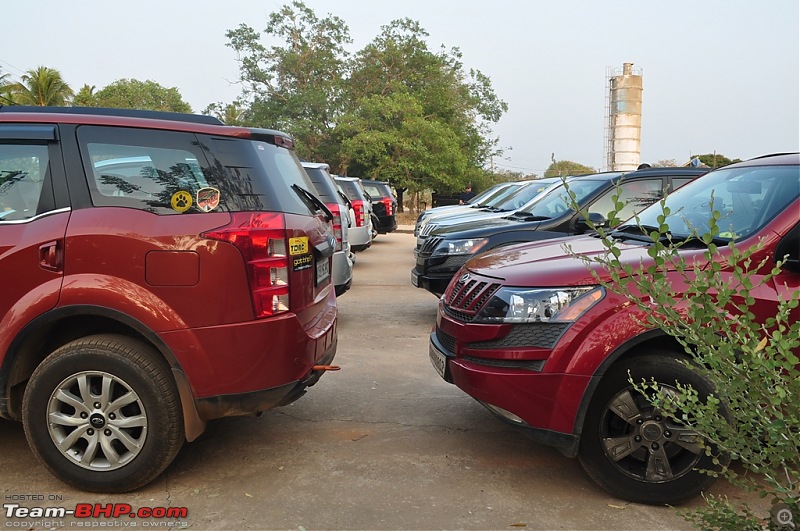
x: 103, y: 414
x: 633, y: 452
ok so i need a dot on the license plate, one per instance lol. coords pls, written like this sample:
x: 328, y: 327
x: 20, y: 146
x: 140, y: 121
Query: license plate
x: 414, y: 279
x: 438, y: 360
x: 323, y: 269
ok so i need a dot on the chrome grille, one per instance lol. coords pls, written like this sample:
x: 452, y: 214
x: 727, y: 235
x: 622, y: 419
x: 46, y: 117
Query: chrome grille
x: 429, y: 245
x: 465, y: 298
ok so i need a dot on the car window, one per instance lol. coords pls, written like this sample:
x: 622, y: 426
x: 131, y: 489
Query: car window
x: 747, y: 198
x: 635, y: 195
x: 677, y: 182
x: 557, y: 200
x: 23, y: 170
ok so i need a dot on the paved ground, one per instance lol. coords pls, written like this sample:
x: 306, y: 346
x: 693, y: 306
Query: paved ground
x: 382, y: 444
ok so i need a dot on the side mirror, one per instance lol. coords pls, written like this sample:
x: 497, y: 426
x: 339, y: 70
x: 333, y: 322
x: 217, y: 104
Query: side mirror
x: 788, y: 249
x: 598, y: 220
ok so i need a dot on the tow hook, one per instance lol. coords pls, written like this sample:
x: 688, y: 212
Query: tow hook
x: 326, y: 368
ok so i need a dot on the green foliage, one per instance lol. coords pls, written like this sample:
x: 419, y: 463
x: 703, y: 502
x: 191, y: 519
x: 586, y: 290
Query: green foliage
x: 42, y: 86
x: 230, y: 114
x: 565, y: 168
x: 297, y: 85
x: 705, y: 300
x: 715, y: 160
x: 134, y: 94
x: 394, y: 110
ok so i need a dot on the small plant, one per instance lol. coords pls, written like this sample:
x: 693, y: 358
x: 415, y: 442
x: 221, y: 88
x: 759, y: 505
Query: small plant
x: 699, y: 290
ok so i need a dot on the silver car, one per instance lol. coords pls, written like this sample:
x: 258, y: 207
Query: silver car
x: 328, y: 191
x: 361, y: 233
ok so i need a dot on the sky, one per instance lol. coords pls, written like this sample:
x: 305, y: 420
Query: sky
x: 718, y: 75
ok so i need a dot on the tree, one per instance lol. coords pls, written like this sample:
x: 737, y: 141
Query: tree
x: 350, y: 113
x: 715, y: 160
x: 230, y: 114
x: 297, y: 86
x: 134, y: 94
x: 564, y: 168
x: 41, y: 87
x: 85, y: 97
x: 456, y: 106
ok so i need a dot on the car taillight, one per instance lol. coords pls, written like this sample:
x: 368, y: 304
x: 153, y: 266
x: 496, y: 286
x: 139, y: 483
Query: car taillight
x: 388, y: 202
x: 337, y: 223
x: 358, y: 206
x: 261, y: 238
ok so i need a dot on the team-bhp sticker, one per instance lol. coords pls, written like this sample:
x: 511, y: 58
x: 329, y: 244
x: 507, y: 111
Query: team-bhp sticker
x: 181, y: 201
x: 298, y: 245
x: 302, y: 262
x: 207, y: 199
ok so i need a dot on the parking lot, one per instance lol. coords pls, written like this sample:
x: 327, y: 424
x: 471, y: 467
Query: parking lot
x: 382, y: 444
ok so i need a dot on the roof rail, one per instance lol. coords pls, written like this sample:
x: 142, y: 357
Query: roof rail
x: 107, y: 111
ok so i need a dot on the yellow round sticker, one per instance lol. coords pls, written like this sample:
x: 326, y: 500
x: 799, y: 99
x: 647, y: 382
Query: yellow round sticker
x: 181, y: 201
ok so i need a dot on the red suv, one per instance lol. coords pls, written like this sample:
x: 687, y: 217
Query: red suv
x: 527, y: 331
x: 161, y: 270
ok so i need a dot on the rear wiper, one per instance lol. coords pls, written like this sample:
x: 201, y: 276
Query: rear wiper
x: 315, y: 201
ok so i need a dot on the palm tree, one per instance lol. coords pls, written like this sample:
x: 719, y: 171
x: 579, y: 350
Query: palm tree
x: 5, y: 93
x: 43, y: 87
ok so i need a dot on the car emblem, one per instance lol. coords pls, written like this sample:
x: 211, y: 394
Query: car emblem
x: 464, y: 278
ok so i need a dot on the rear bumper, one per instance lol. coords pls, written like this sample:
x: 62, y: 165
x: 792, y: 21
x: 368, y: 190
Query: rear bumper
x: 386, y: 224
x: 342, y: 270
x: 256, y: 401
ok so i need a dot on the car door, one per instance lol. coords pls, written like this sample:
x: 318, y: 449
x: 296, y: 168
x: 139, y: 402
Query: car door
x: 32, y: 226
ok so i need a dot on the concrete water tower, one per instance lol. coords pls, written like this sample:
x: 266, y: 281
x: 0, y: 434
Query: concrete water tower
x: 624, y: 118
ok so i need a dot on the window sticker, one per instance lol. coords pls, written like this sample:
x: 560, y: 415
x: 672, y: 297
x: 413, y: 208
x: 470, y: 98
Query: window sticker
x: 298, y: 246
x: 207, y: 199
x: 302, y: 262
x: 181, y: 201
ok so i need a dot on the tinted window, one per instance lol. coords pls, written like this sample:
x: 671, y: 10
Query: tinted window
x: 557, y: 200
x: 167, y: 172
x: 635, y: 195
x: 23, y: 172
x: 323, y: 184
x: 746, y: 197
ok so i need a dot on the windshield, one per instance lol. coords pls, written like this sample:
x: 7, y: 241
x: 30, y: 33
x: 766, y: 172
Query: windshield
x: 526, y: 193
x: 747, y: 198
x: 556, y: 202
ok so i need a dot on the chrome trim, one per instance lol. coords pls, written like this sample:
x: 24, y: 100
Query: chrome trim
x: 34, y: 218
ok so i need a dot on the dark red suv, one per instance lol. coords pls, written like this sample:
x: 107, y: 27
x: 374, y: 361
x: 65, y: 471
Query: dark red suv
x: 528, y: 332
x: 159, y: 270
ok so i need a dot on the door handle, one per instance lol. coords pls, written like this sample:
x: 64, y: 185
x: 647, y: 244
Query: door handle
x: 50, y: 257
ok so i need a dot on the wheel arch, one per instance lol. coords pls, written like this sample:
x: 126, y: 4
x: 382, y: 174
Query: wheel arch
x: 636, y: 346
x: 59, y: 326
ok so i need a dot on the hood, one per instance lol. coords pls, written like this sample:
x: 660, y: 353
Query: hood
x: 547, y: 263
x: 481, y: 227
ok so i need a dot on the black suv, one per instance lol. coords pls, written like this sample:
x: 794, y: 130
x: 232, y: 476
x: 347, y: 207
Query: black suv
x: 384, y: 205
x: 448, y: 248
x: 159, y: 271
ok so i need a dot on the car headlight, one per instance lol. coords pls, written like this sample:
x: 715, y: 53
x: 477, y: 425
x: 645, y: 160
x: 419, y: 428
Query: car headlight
x: 531, y: 305
x: 455, y: 247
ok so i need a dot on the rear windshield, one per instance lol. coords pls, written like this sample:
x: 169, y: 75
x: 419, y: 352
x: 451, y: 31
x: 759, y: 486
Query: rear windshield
x: 376, y: 190
x: 170, y: 172
x: 351, y: 190
x: 323, y: 184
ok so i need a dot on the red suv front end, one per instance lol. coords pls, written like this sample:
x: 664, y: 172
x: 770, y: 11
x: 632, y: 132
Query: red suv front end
x: 528, y: 331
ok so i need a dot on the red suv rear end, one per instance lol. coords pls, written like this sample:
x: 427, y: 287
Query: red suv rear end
x: 167, y: 270
x: 528, y: 332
